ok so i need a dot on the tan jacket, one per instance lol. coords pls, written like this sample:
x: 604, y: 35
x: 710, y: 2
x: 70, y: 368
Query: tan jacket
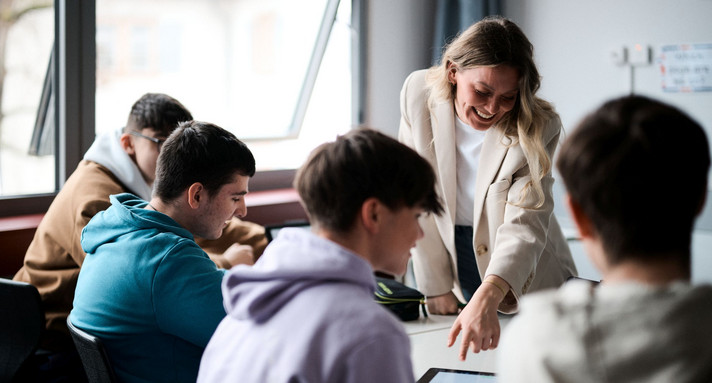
x: 525, y: 247
x: 55, y: 255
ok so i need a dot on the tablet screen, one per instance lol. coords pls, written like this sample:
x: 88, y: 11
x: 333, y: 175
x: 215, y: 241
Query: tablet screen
x: 443, y: 375
x: 272, y: 230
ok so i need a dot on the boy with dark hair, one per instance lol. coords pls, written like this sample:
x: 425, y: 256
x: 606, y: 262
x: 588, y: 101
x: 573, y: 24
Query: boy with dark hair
x: 120, y: 161
x: 146, y: 288
x: 644, y: 322
x: 306, y: 311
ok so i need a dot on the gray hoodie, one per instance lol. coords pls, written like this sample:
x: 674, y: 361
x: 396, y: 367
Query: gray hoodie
x: 627, y: 332
x: 305, y: 313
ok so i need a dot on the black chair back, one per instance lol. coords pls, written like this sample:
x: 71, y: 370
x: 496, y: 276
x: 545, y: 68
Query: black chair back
x: 22, y: 322
x: 91, y: 351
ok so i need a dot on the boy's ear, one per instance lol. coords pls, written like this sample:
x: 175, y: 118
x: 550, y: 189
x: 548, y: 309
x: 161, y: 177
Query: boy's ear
x: 370, y: 214
x: 127, y: 144
x: 583, y: 223
x: 196, y: 194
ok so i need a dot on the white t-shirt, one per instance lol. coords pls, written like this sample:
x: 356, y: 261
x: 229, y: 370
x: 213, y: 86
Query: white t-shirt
x: 469, y: 146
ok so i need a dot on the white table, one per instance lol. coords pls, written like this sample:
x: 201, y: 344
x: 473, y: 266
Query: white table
x: 428, y: 342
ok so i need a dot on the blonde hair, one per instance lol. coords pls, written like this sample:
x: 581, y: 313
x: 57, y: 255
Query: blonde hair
x: 495, y: 41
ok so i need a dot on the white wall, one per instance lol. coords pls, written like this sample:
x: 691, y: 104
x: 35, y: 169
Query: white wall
x: 398, y: 42
x: 572, y: 42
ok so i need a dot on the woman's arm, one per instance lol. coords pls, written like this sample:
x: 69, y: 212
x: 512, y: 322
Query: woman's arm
x: 523, y: 232
x: 521, y: 237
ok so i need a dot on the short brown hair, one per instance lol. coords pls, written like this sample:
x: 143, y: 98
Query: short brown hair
x: 200, y: 152
x: 617, y: 166
x: 157, y: 111
x: 339, y: 176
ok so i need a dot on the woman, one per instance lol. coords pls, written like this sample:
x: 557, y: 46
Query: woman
x: 476, y: 118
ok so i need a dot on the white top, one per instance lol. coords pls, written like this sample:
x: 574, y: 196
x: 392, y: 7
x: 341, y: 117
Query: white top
x: 106, y: 151
x: 469, y: 146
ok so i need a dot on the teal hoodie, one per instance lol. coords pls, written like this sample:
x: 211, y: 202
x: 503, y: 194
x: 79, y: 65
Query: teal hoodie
x: 148, y: 291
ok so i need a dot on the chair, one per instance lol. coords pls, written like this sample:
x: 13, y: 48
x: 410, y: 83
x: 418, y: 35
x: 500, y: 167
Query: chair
x: 22, y: 321
x: 93, y: 355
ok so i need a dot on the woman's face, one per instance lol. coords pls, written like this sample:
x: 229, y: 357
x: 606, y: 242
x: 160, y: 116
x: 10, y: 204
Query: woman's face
x: 483, y: 95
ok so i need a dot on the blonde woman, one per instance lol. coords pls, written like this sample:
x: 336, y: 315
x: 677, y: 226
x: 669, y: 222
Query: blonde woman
x: 477, y: 119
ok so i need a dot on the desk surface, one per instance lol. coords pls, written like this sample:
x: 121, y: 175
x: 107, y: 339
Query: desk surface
x: 428, y: 343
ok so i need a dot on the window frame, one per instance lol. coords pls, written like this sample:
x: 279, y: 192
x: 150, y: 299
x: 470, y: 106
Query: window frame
x: 73, y: 83
x: 74, y: 88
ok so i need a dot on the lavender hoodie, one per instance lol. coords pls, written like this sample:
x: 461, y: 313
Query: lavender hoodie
x: 305, y: 313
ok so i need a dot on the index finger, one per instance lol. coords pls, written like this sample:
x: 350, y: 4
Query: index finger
x: 465, y: 343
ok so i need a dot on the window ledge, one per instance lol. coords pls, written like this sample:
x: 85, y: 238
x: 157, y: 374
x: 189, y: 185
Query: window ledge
x: 267, y: 207
x: 255, y: 200
x: 271, y: 197
x: 21, y: 222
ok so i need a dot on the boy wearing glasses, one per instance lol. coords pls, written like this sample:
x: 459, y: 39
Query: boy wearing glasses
x: 120, y: 161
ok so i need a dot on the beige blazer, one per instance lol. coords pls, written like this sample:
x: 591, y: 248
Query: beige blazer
x: 525, y: 247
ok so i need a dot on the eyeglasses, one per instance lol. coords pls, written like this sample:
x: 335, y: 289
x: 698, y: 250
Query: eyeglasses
x: 159, y: 142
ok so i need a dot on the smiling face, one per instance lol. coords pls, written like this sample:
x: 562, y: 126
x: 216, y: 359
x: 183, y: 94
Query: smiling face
x: 484, y: 95
x: 227, y: 202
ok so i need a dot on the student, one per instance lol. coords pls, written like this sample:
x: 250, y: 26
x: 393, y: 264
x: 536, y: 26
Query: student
x: 146, y: 288
x: 644, y: 322
x: 120, y: 161
x: 306, y: 311
x: 478, y: 118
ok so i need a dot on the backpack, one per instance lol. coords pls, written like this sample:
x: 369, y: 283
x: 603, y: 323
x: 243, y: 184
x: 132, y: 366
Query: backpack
x: 401, y: 300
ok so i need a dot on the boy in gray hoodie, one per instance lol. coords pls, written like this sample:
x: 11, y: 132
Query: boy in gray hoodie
x: 306, y: 312
x: 646, y: 321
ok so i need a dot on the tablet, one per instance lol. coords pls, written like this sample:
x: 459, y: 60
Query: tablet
x: 272, y: 230
x: 447, y: 375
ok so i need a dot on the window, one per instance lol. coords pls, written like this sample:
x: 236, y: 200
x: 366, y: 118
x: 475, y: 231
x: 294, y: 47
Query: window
x: 241, y: 64
x: 27, y: 49
x: 277, y: 73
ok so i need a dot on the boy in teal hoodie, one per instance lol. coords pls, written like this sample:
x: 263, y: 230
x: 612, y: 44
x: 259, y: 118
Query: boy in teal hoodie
x: 146, y: 289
